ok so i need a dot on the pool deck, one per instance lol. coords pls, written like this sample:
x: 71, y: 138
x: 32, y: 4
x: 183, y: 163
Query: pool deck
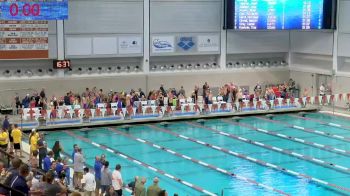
x: 148, y: 118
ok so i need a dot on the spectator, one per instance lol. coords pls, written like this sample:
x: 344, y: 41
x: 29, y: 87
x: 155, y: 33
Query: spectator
x: 162, y: 90
x: 182, y: 91
x: 47, y: 161
x: 19, y: 182
x: 132, y: 185
x: 56, y: 149
x: 6, y: 123
x: 33, y: 141
x: 154, y: 189
x: 163, y: 193
x: 141, y: 93
x: 53, y: 187
x: 75, y: 149
x: 33, y: 161
x: 98, y: 168
x: 11, y: 173
x: 4, y: 139
x: 42, y: 149
x: 78, y: 168
x: 117, y: 180
x: 16, y: 134
x: 42, y: 93
x: 106, y: 178
x: 88, y: 182
x: 140, y: 189
x: 322, y: 90
x: 17, y: 102
x: 66, y: 169
x: 103, y: 159
x: 59, y: 166
x: 26, y: 101
x: 66, y: 99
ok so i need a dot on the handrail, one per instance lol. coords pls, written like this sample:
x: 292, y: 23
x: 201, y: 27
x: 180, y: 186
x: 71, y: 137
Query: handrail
x: 13, y: 191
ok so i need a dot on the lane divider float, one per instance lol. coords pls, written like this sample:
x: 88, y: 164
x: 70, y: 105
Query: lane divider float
x: 260, y: 162
x: 198, y: 161
x: 124, y: 156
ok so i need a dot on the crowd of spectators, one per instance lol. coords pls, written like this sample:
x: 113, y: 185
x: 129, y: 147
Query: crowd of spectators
x: 48, y: 170
x: 89, y: 99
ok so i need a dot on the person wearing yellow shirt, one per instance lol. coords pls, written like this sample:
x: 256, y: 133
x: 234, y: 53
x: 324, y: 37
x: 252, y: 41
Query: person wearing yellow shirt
x: 17, y: 139
x: 4, y: 139
x: 33, y: 139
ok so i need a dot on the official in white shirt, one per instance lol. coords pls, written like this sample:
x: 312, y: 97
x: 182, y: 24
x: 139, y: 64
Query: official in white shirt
x: 88, y: 182
x: 117, y: 180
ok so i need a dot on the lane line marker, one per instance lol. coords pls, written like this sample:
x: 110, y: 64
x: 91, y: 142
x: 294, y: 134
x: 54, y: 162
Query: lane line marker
x: 260, y: 162
x: 194, y: 160
x: 145, y: 165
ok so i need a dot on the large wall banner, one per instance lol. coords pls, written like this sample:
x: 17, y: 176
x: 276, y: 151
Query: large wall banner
x: 24, y: 39
x: 208, y: 43
x: 163, y: 44
x: 130, y: 44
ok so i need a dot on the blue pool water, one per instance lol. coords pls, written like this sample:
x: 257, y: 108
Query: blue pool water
x: 210, y: 179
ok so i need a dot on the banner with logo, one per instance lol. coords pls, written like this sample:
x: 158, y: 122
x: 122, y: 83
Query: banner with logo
x: 163, y: 44
x: 186, y: 44
x: 130, y: 44
x: 208, y: 43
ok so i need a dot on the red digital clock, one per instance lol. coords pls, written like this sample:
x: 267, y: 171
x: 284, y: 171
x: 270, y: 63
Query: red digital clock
x: 61, y: 64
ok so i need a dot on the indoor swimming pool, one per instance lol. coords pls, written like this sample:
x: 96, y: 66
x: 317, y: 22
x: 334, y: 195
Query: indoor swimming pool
x: 286, y: 154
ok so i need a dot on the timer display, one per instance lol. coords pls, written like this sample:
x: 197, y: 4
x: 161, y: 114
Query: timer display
x: 34, y: 10
x: 61, y: 64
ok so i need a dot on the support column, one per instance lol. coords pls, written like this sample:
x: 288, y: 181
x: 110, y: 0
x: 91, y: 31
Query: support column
x: 223, y: 40
x: 146, y: 36
x: 60, y: 44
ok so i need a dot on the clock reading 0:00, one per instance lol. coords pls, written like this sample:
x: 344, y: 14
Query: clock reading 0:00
x: 27, y: 9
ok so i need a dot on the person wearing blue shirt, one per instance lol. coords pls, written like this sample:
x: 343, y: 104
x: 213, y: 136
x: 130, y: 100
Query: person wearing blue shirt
x: 6, y: 123
x: 59, y: 166
x: 98, y: 168
x: 47, y: 161
x: 19, y: 182
x: 26, y: 101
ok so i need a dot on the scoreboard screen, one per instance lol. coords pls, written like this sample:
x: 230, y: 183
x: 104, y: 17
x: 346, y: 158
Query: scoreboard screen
x: 280, y: 14
x: 34, y: 10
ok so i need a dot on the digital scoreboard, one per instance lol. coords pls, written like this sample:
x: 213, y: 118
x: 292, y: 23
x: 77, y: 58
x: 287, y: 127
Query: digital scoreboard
x: 281, y: 14
x: 33, y: 9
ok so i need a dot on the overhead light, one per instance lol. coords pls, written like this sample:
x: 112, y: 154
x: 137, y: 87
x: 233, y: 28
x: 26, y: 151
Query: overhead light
x: 127, y: 68
x: 181, y: 66
x: 119, y: 69
x: 79, y: 70
x: 237, y: 65
x: 267, y: 63
x: 40, y: 72
x: 214, y: 65
x: 283, y: 63
x: 68, y: 71
x: 206, y: 66
x: 189, y: 66
x: 50, y: 71
x: 29, y: 73
x: 244, y: 65
x: 99, y: 69
x: 137, y: 68
x: 229, y: 65
x: 172, y: 67
x: 7, y: 73
x: 252, y: 64
x: 154, y: 67
x: 261, y: 64
x: 163, y: 67
x: 109, y: 69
